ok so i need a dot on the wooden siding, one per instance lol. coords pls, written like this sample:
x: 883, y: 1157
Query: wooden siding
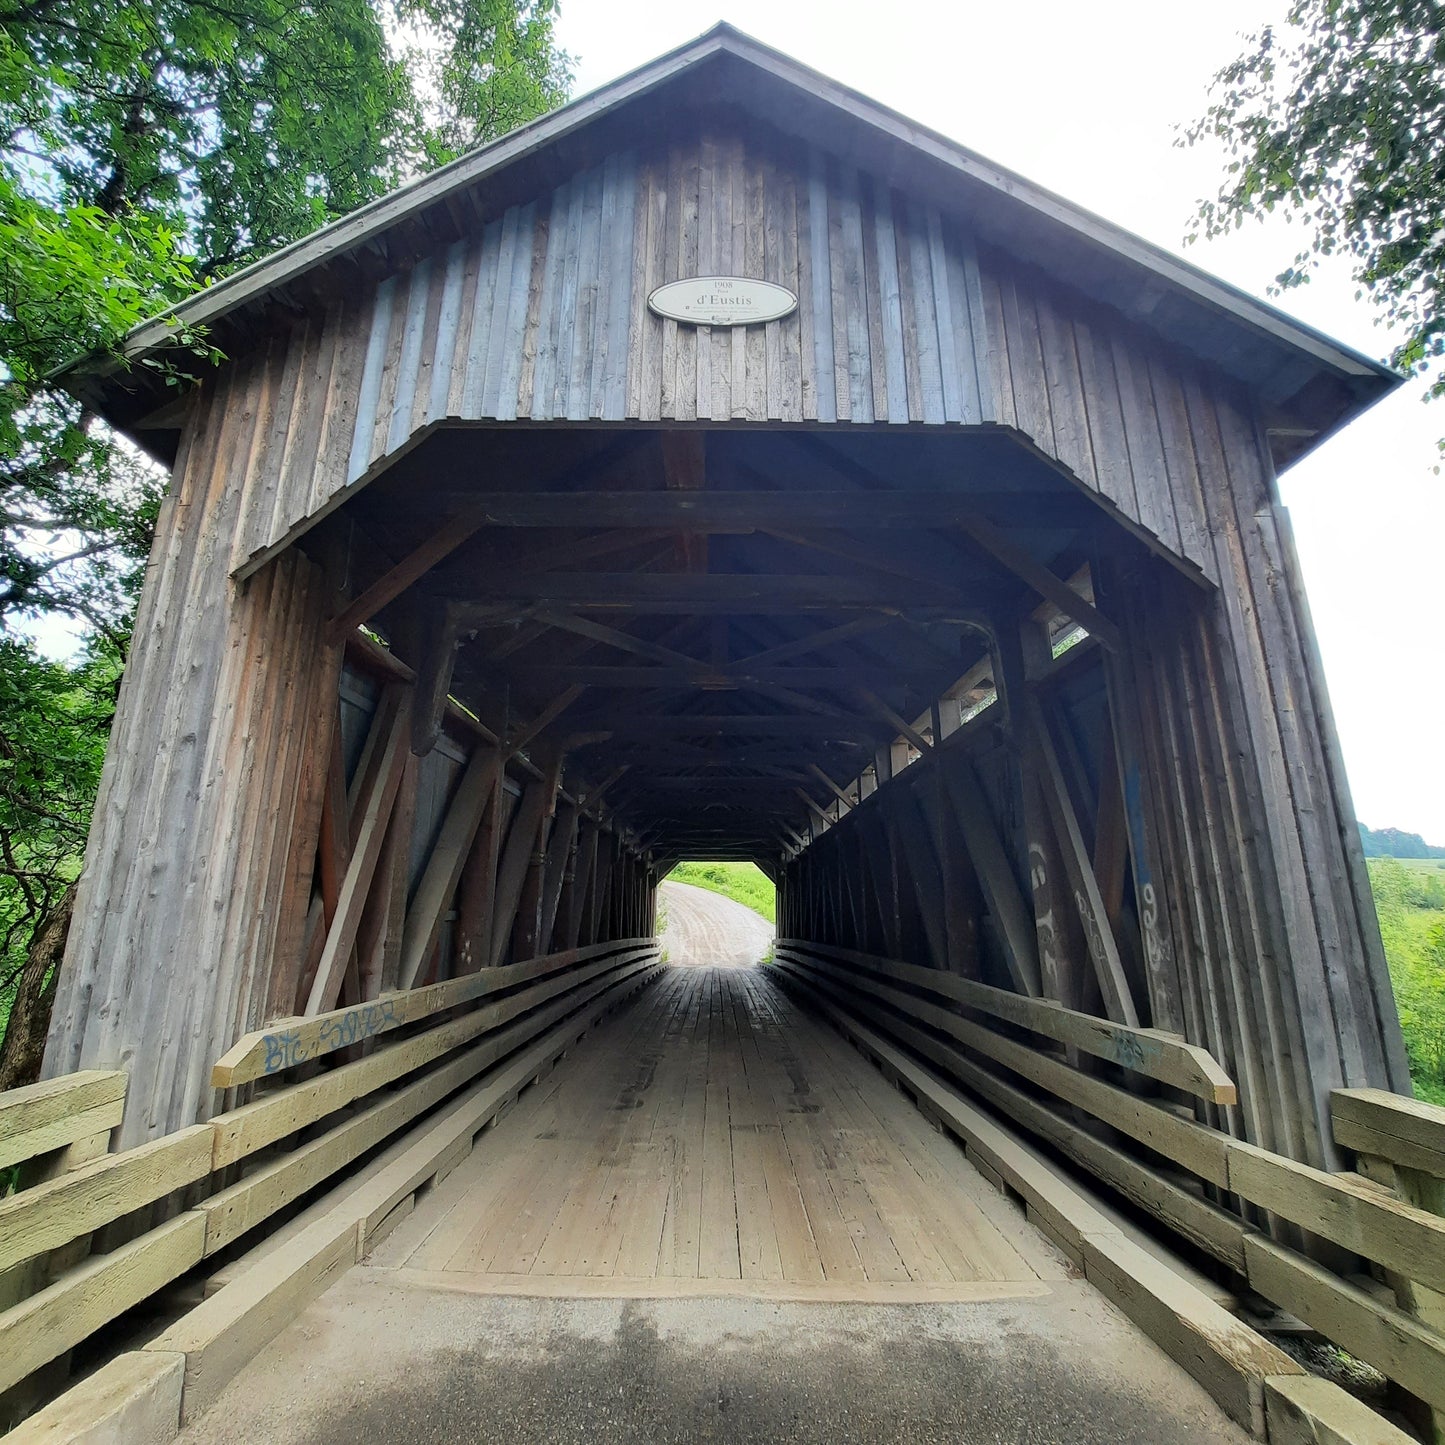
x: 542, y: 316
x: 168, y: 960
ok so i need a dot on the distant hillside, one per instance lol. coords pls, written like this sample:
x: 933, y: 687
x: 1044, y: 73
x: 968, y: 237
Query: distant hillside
x: 1392, y: 843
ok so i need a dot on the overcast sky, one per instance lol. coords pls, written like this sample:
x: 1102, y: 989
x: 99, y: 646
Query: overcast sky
x: 1085, y: 99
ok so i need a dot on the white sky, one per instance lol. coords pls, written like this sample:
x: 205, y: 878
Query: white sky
x: 1084, y: 99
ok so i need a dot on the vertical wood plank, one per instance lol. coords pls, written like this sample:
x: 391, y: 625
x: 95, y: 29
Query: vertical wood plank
x: 925, y: 315
x: 391, y: 367
x: 611, y: 402
x: 520, y: 368
x: 498, y: 238
x: 671, y: 270
x: 712, y: 232
x: 644, y: 378
x: 409, y: 360
x: 467, y: 307
x: 694, y: 234
x: 853, y: 297
x: 580, y: 249
x: 441, y: 361
x: 944, y: 320
x: 510, y: 309
x: 820, y: 316
x: 376, y: 344
x: 753, y: 403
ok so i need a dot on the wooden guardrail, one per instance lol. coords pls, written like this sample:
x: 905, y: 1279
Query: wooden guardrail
x: 1152, y: 1052
x: 287, y: 1042
x: 73, y: 1110
x: 1408, y: 1133
x: 522, y: 1016
x: 1359, y: 1215
x: 1399, y: 1143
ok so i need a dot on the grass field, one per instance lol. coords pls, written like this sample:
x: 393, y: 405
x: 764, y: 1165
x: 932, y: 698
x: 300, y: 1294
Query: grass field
x: 1410, y: 900
x: 744, y: 883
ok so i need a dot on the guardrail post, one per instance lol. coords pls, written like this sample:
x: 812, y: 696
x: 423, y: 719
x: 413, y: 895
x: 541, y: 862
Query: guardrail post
x: 1424, y: 1191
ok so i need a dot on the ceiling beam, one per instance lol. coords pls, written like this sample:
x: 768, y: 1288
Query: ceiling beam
x: 893, y: 558
x: 684, y: 469
x: 832, y: 787
x: 725, y: 512
x: 589, y: 798
x: 726, y: 679
x: 445, y: 539
x: 712, y: 593
x: 823, y: 637
x: 1049, y: 585
x: 683, y: 756
x: 813, y: 808
x: 784, y: 725
x: 880, y: 709
x: 993, y: 543
x: 544, y: 719
x: 705, y: 788
x: 615, y: 637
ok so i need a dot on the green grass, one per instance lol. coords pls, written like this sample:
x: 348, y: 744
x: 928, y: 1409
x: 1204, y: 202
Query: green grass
x: 744, y: 883
x: 1410, y: 900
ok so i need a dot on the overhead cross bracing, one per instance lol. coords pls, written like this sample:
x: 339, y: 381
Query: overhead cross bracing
x: 740, y: 623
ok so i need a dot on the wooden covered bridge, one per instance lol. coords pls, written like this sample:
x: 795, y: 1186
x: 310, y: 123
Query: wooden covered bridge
x: 944, y: 576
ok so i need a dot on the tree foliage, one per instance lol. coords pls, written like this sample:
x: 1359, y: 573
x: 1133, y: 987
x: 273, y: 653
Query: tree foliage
x: 1395, y: 843
x: 148, y: 147
x: 54, y: 718
x: 1338, y: 118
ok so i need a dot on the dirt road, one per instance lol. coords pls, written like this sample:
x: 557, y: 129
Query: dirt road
x: 705, y: 928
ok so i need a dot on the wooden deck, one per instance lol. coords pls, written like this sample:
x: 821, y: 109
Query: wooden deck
x: 715, y: 1139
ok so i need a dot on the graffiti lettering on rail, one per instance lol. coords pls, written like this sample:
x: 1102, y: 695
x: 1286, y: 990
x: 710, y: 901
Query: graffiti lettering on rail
x: 1133, y: 1052
x: 285, y: 1048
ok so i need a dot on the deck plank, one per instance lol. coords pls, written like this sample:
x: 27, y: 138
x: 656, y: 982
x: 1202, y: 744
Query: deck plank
x: 715, y: 1136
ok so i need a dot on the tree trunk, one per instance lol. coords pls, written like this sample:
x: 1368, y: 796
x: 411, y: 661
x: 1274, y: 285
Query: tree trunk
x: 24, y: 1047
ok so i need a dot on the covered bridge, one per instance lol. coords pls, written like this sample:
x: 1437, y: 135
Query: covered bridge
x: 945, y: 577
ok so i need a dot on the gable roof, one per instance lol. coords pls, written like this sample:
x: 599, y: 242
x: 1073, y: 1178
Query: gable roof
x: 1309, y: 382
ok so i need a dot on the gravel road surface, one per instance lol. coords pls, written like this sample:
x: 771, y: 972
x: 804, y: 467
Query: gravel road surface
x: 705, y: 929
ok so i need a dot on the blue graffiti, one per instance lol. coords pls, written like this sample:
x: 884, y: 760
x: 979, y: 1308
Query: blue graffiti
x: 284, y: 1050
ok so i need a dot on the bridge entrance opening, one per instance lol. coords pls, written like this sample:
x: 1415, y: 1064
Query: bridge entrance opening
x: 718, y: 912
x: 729, y: 645
x: 808, y: 657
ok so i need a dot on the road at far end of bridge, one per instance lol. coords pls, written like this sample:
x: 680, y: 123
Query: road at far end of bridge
x: 704, y: 929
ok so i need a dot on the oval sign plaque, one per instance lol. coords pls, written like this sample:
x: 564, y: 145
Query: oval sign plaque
x: 722, y: 301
